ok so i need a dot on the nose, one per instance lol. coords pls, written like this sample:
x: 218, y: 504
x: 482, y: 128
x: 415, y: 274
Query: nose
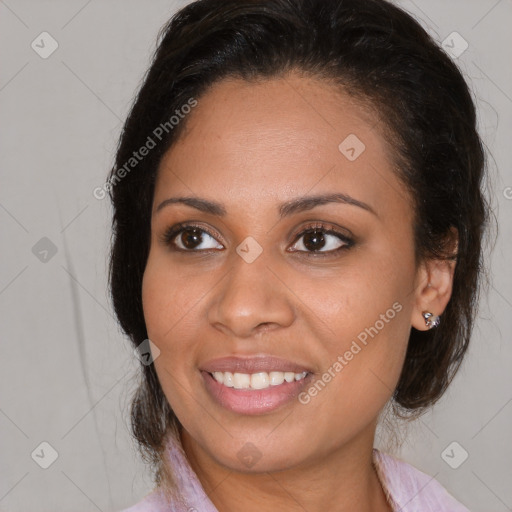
x: 252, y: 298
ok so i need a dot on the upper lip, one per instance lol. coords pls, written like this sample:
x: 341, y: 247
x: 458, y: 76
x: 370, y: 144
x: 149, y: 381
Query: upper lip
x: 253, y: 364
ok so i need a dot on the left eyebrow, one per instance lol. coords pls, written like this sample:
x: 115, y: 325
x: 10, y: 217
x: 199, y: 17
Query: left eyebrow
x: 309, y: 202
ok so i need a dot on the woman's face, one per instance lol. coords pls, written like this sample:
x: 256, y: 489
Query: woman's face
x: 250, y: 293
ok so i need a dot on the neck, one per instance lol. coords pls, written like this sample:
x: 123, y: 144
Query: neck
x: 342, y: 481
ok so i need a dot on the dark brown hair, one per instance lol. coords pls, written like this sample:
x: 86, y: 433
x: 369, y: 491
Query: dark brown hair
x: 380, y: 55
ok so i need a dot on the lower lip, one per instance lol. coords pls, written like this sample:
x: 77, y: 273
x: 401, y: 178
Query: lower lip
x: 253, y: 401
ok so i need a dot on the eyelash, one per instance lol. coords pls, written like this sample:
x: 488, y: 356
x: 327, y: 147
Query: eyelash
x: 173, y: 231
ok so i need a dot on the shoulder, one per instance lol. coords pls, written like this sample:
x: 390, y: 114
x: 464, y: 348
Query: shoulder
x: 152, y: 502
x: 410, y: 489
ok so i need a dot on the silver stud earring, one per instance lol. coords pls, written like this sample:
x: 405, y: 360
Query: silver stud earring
x: 431, y: 320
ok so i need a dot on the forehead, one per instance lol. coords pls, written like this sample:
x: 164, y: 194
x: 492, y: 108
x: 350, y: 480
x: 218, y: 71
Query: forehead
x: 258, y: 143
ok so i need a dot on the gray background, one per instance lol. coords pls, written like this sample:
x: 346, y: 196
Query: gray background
x: 66, y: 371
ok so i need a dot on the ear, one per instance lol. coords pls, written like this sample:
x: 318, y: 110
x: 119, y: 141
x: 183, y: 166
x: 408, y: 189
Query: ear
x: 434, y: 284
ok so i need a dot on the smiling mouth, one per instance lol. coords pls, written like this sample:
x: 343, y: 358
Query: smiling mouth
x: 256, y: 381
x: 255, y: 393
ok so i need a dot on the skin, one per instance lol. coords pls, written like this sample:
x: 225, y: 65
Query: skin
x: 252, y: 146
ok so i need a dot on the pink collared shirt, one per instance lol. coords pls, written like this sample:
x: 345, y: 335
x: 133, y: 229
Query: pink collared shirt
x: 407, y: 488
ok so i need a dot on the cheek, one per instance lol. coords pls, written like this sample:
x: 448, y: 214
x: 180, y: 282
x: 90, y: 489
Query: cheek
x: 168, y: 310
x: 365, y: 315
x: 164, y: 313
x: 346, y: 302
x: 361, y: 365
x: 168, y: 297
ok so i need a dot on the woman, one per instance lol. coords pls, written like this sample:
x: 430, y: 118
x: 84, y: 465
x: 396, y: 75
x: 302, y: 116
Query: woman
x: 298, y: 222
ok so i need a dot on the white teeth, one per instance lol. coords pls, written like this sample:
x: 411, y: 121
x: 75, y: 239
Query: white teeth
x: 227, y: 380
x: 260, y: 380
x: 241, y: 381
x: 276, y: 378
x: 219, y: 377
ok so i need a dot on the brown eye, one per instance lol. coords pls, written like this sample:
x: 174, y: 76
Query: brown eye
x: 317, y: 240
x: 189, y: 238
x: 314, y: 240
x: 321, y: 241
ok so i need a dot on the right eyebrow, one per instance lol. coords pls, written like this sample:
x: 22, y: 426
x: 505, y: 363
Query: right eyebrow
x: 203, y: 205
